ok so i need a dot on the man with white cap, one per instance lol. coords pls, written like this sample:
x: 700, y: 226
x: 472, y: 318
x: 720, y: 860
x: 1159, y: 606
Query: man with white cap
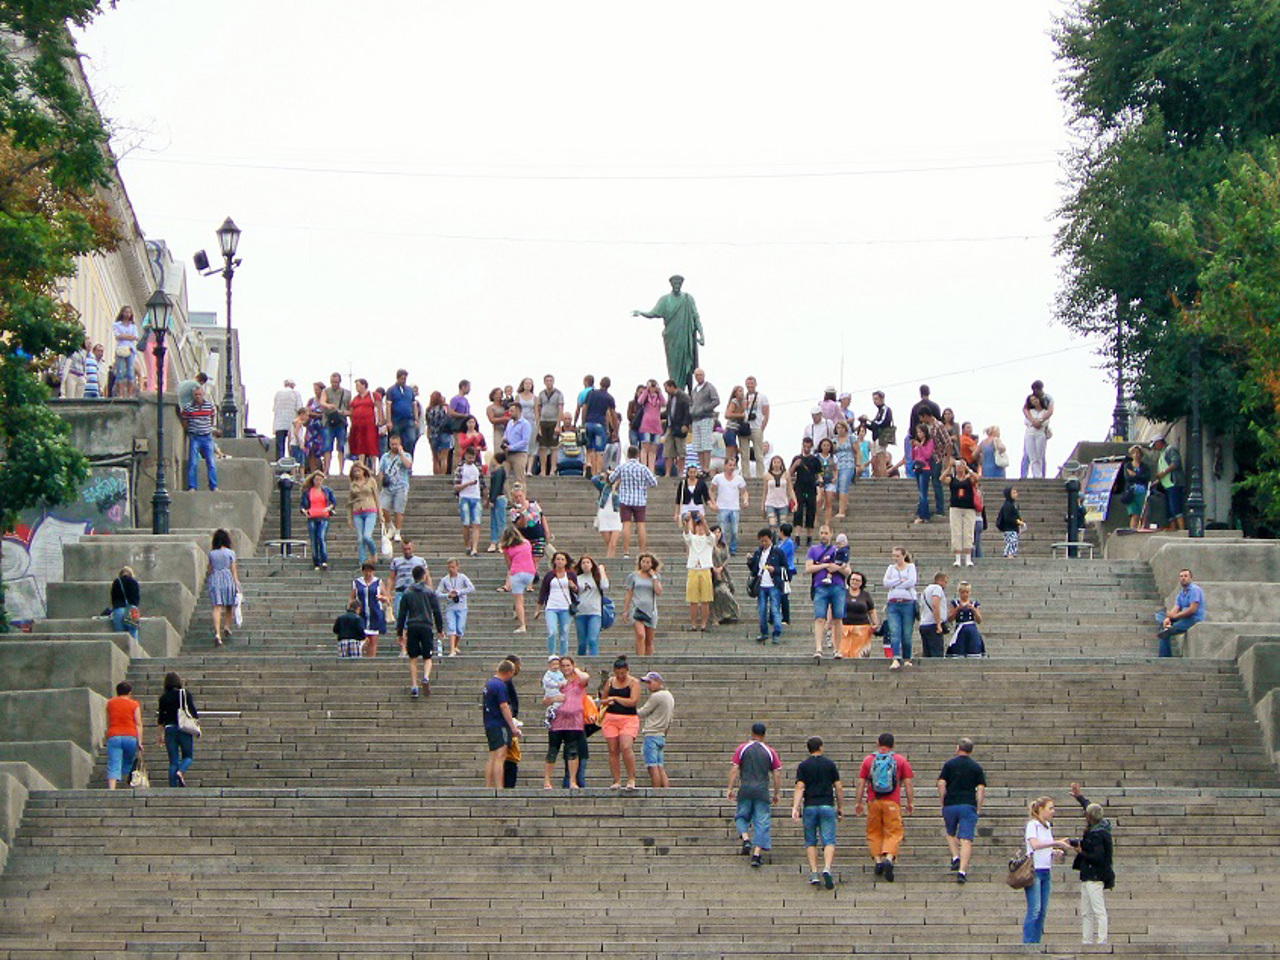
x: 656, y: 714
x: 821, y: 429
x: 284, y: 408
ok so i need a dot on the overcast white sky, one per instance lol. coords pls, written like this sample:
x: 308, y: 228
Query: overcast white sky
x: 858, y: 195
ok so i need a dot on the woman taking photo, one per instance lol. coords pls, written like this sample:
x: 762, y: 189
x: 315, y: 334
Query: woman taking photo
x: 362, y: 506
x: 521, y: 569
x: 779, y: 499
x: 691, y: 496
x: 900, y: 610
x: 568, y: 726
x: 651, y: 424
x: 317, y: 504
x: 363, y: 437
x: 124, y: 734
x: 644, y: 587
x: 860, y: 620
x: 527, y: 517
x: 179, y: 744
x: 224, y: 584
x: 1042, y: 846
x: 556, y: 597
x: 369, y: 592
x: 846, y: 449
x: 621, y: 693
x: 1137, y: 481
x: 827, y: 487
x: 593, y: 581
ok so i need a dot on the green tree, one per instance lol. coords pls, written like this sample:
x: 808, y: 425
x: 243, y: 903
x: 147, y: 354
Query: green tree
x: 53, y: 161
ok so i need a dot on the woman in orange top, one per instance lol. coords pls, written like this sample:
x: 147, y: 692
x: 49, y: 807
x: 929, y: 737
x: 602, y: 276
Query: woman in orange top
x: 124, y: 733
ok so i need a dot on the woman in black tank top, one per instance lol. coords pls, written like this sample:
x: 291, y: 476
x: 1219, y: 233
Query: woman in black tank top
x: 621, y: 721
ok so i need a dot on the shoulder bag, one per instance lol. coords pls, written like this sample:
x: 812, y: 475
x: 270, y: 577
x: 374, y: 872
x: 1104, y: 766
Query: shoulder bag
x: 1022, y: 871
x: 186, y: 722
x: 138, y: 778
x: 744, y: 428
x: 1002, y: 456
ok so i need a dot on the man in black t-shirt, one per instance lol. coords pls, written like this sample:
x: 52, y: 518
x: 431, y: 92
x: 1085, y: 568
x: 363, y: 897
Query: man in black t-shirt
x: 806, y: 472
x: 819, y: 800
x: 925, y: 405
x: 962, y: 786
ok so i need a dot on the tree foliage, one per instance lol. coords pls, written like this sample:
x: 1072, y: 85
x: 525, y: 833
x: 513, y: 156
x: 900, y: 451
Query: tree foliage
x: 1169, y: 99
x: 54, y: 165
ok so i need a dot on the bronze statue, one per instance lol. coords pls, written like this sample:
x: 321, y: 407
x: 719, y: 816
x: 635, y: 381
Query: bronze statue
x: 681, y: 331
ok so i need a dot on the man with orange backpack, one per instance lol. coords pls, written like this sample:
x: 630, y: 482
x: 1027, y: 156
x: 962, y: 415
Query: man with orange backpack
x: 881, y: 780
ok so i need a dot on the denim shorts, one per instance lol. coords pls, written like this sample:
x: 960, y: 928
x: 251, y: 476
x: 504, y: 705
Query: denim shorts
x: 596, y: 437
x: 961, y: 820
x: 830, y: 596
x: 819, y: 824
x: 655, y: 749
x: 649, y: 437
x: 520, y: 582
x: 469, y: 510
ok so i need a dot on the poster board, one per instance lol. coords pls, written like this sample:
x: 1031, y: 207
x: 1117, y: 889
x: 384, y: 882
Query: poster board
x: 1096, y: 495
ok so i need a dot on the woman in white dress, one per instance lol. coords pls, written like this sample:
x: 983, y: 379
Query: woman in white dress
x: 1037, y: 436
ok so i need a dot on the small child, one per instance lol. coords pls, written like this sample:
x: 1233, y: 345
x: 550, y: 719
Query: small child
x: 453, y: 589
x: 1009, y: 522
x: 788, y: 548
x: 552, y: 681
x: 841, y: 555
x: 349, y: 629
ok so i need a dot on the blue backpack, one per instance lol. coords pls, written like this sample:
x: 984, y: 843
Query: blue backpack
x: 607, y: 613
x: 884, y: 773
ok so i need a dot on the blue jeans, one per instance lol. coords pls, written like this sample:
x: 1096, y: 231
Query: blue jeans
x: 200, y: 446
x: 819, y: 824
x: 558, y: 632
x: 1037, y: 907
x: 597, y: 437
x: 319, y: 530
x: 455, y: 621
x: 366, y: 523
x: 908, y: 464
x: 829, y: 597
x: 181, y: 748
x: 776, y: 515
x: 756, y: 816
x: 497, y: 519
x: 121, y: 625
x: 1175, y: 628
x: 729, y: 520
x: 121, y: 752
x: 902, y: 619
x: 769, y: 604
x: 922, y: 485
x: 407, y: 430
x: 588, y: 625
x: 977, y: 537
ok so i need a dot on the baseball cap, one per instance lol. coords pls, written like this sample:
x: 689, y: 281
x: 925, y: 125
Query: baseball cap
x: 652, y: 675
x: 816, y: 410
x: 552, y: 657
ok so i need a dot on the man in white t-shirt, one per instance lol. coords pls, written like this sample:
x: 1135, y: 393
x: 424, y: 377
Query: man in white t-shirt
x: 933, y: 614
x: 820, y: 429
x: 730, y: 493
x: 751, y: 447
x: 469, y: 485
x: 698, y: 589
x: 284, y: 407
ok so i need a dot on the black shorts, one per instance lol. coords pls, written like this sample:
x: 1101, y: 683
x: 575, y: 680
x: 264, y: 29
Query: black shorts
x: 498, y: 737
x: 806, y: 508
x: 419, y: 641
x: 574, y: 742
x: 546, y: 437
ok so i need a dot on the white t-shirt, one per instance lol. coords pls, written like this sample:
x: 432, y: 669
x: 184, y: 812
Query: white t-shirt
x: 700, y: 548
x: 728, y: 493
x: 927, y: 619
x: 760, y: 401
x: 559, y: 595
x: 822, y: 430
x: 1044, y: 833
x: 470, y: 474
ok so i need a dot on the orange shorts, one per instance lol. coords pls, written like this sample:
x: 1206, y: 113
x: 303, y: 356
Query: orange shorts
x: 620, y: 725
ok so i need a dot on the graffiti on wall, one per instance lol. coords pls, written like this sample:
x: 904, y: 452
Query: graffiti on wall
x: 32, y: 555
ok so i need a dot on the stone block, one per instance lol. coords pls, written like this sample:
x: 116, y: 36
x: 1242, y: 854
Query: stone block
x: 1267, y: 711
x: 13, y: 800
x: 242, y: 474
x: 1212, y: 640
x: 100, y: 558
x: 78, y: 715
x: 1213, y: 560
x: 209, y: 510
x: 26, y: 774
x: 156, y: 636
x: 251, y: 448
x: 61, y: 762
x: 1238, y: 601
x: 240, y: 541
x: 1260, y: 670
x: 49, y: 664
x: 170, y: 600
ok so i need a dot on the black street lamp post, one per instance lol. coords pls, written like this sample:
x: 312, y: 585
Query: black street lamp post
x: 228, y: 239
x: 1195, y: 496
x: 159, y: 310
x: 1120, y: 416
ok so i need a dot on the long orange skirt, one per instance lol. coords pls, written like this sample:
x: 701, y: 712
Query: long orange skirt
x: 855, y: 641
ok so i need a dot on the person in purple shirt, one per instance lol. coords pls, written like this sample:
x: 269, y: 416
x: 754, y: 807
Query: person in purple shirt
x: 459, y: 410
x: 829, y: 566
x: 515, y: 441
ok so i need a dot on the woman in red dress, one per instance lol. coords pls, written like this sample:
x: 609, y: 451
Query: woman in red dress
x: 364, y: 425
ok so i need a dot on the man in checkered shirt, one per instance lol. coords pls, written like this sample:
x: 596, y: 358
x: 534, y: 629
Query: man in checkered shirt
x: 634, y: 480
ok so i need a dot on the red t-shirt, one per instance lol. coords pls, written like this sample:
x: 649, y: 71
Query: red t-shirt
x: 904, y: 773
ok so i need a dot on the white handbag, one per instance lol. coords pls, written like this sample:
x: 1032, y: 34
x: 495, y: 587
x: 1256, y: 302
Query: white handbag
x: 186, y: 722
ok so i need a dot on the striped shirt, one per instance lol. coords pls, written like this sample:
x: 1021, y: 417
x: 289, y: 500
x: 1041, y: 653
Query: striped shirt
x: 92, y: 385
x: 200, y: 418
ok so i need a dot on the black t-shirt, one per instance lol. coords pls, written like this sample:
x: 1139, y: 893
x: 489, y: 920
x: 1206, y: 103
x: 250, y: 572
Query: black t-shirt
x: 962, y: 494
x: 819, y: 776
x: 808, y: 470
x: 920, y: 408
x: 857, y: 609
x: 963, y: 775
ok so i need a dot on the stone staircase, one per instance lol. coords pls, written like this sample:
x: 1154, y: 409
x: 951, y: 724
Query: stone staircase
x: 330, y: 815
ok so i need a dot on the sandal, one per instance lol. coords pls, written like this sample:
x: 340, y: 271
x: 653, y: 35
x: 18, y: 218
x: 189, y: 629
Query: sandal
x: 502, y: 590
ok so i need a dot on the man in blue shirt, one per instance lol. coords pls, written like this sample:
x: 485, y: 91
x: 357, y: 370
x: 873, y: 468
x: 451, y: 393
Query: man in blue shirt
x: 599, y: 408
x: 500, y: 725
x: 400, y: 411
x: 1188, y: 610
x: 515, y: 441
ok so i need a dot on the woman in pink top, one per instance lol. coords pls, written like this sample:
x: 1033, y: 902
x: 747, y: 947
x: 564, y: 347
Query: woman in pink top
x: 922, y: 457
x: 568, y: 727
x: 650, y: 424
x: 520, y: 569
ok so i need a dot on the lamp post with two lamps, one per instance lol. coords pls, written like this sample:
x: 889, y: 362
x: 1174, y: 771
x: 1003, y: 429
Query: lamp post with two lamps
x: 159, y: 315
x: 228, y: 240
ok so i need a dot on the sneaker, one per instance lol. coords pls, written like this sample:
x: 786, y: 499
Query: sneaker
x: 756, y: 861
x: 955, y: 863
x: 961, y: 878
x: 426, y: 687
x: 895, y: 665
x: 519, y: 630
x: 888, y: 871
x: 828, y: 881
x: 404, y: 655
x: 746, y: 847
x: 968, y: 561
x: 956, y: 563
x: 395, y: 535
x: 762, y: 638
x: 815, y: 880
x: 879, y: 868
x: 413, y: 692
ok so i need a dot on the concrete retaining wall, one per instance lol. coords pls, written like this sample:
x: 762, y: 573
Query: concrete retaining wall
x: 171, y: 600
x: 156, y: 636
x: 61, y: 762
x: 78, y: 715
x: 94, y: 558
x: 13, y: 800
x: 209, y: 510
x: 48, y: 665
